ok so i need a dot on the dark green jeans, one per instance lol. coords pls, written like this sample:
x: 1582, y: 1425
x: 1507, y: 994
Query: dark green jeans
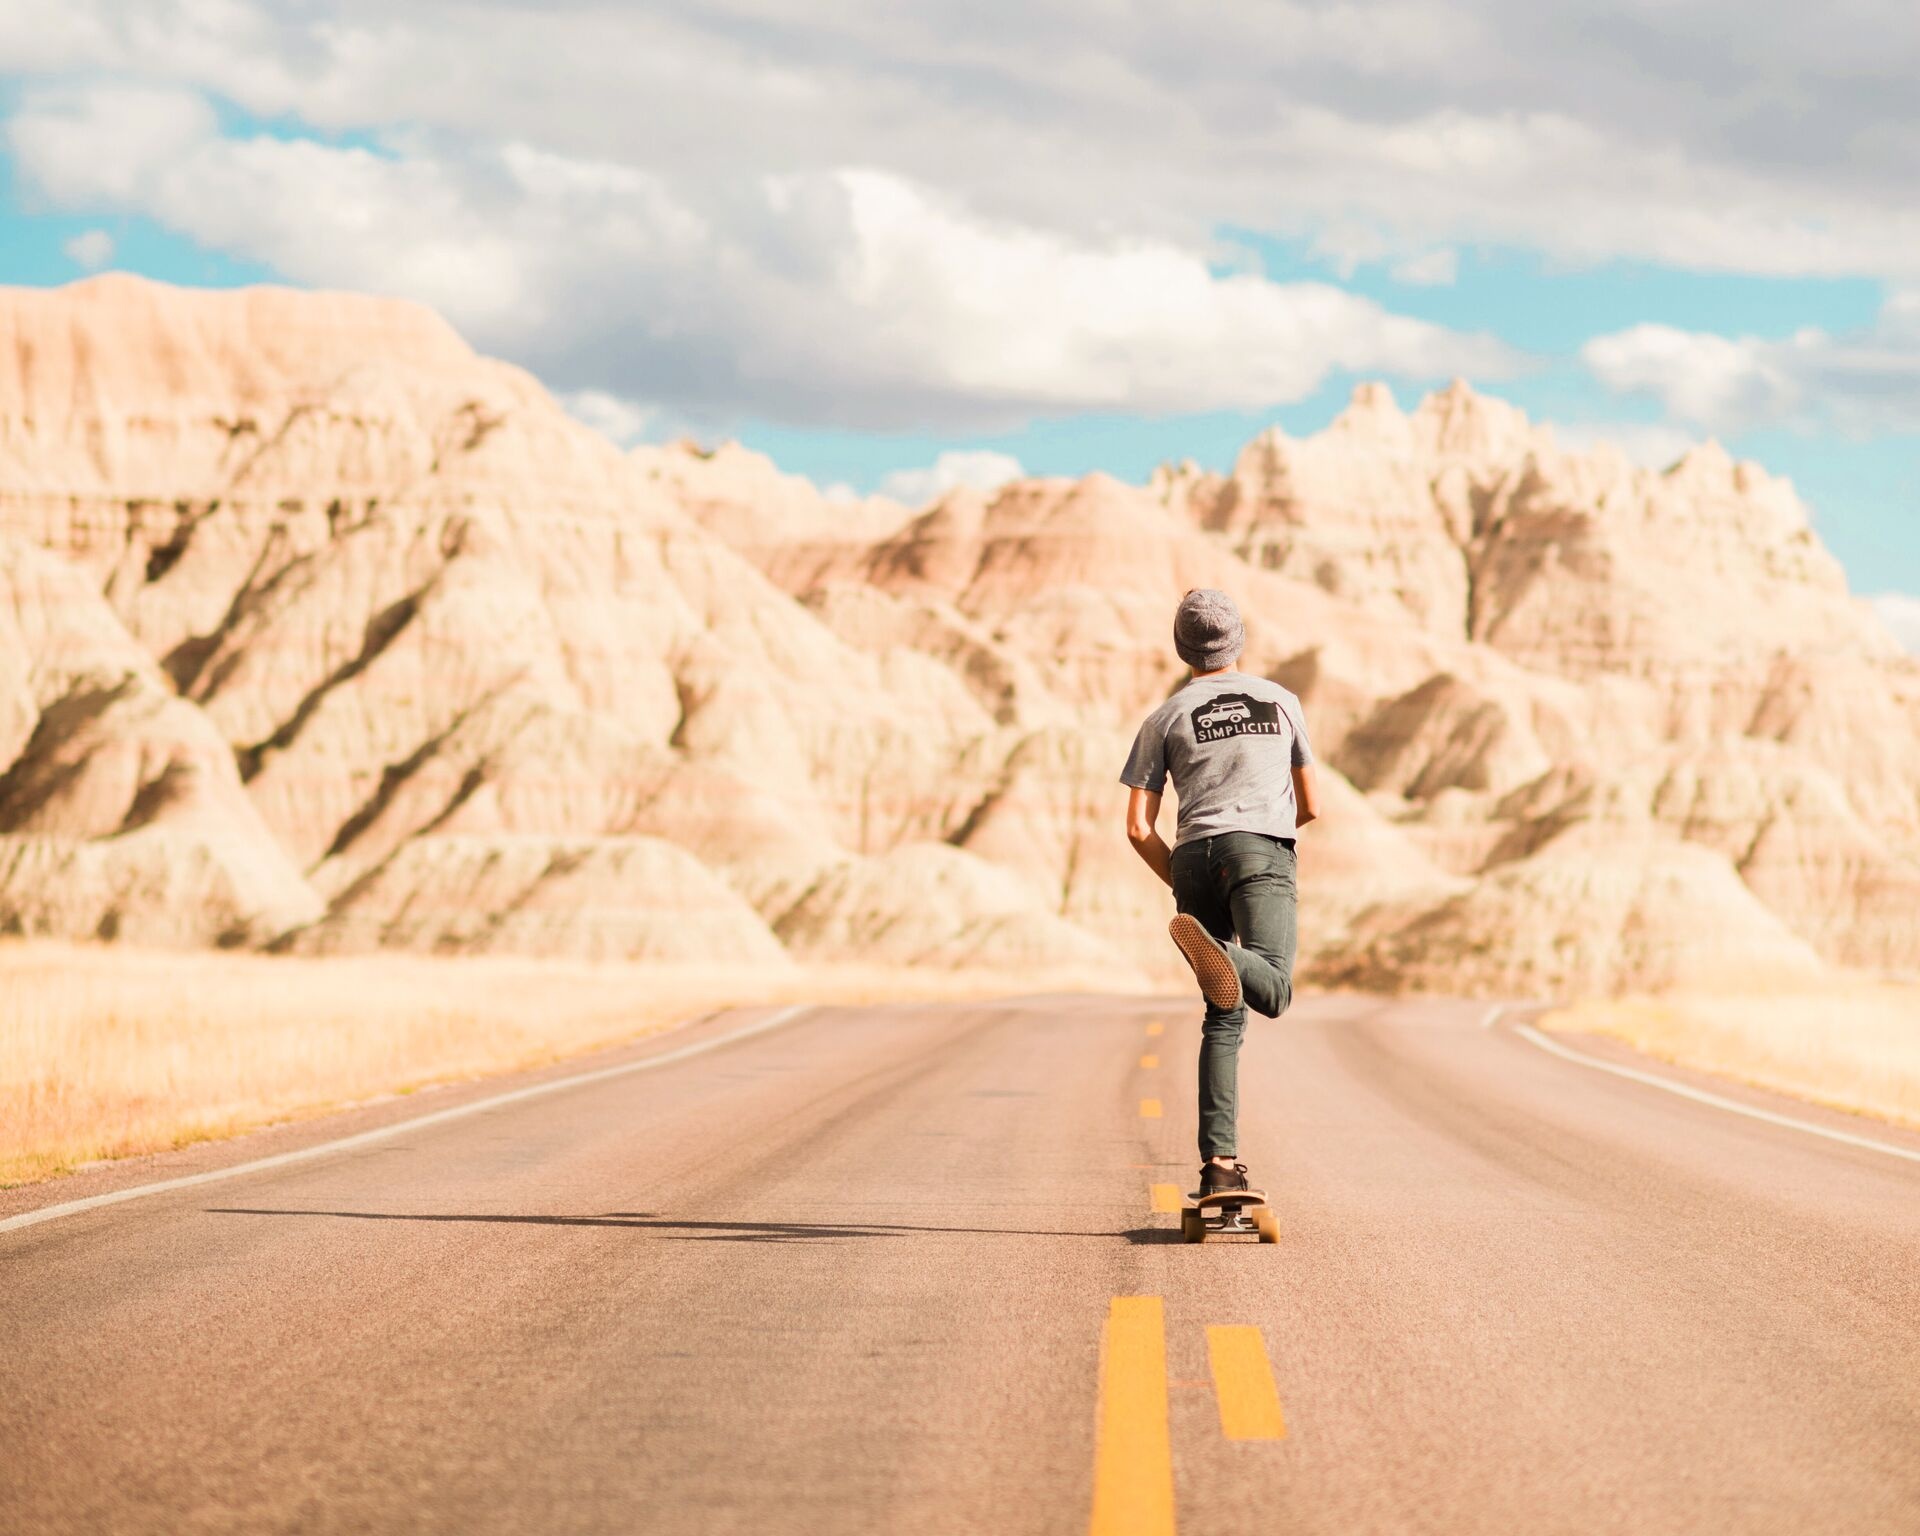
x: 1238, y: 884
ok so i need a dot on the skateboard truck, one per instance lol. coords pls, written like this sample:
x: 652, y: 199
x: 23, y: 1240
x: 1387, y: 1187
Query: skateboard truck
x: 1235, y: 1213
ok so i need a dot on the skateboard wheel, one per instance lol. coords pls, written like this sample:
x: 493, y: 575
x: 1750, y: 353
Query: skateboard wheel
x: 1193, y: 1228
x: 1269, y: 1227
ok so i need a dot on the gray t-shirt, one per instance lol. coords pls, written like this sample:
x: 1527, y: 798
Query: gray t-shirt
x: 1230, y: 742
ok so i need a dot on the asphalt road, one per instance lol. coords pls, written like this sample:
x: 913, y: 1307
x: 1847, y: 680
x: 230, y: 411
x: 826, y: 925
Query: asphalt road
x: 854, y: 1273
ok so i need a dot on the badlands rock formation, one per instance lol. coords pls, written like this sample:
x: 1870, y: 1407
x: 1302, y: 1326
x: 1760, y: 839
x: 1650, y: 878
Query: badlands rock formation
x: 319, y: 632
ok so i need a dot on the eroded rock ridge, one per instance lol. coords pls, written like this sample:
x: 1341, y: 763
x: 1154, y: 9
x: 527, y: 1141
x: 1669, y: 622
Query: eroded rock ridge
x: 319, y: 631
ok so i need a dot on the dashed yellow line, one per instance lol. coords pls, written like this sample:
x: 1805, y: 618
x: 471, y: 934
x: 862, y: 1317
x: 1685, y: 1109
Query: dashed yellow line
x: 1149, y: 1062
x: 1149, y: 1109
x: 1156, y: 1027
x: 1243, y: 1382
x: 1166, y: 1197
x: 1133, y: 1451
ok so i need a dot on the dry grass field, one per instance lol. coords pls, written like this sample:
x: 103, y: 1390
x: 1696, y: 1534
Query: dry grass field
x: 108, y: 1052
x: 1848, y: 1042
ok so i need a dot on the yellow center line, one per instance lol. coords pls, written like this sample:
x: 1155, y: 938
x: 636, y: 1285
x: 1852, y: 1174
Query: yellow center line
x: 1133, y: 1451
x: 1149, y: 1062
x: 1149, y: 1109
x: 1243, y: 1382
x: 1166, y: 1197
x: 1155, y: 1028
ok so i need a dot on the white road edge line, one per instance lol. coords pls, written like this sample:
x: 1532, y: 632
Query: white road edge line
x: 381, y: 1133
x: 1701, y: 1096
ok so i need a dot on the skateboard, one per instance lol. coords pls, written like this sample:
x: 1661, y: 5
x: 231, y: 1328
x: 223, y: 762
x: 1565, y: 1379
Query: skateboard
x: 1232, y: 1213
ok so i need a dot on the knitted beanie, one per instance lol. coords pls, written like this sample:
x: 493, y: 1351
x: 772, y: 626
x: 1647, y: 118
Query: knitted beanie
x: 1207, y: 631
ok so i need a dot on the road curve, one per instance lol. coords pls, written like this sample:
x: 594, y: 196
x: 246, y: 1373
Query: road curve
x: 854, y: 1273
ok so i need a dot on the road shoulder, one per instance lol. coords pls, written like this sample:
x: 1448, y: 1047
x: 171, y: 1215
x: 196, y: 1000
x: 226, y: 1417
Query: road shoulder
x: 354, y: 1120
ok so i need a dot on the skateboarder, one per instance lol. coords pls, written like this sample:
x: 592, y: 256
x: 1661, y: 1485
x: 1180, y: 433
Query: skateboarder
x: 1236, y: 749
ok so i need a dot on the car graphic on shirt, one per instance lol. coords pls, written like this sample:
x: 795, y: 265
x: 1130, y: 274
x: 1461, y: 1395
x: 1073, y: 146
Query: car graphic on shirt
x: 1235, y: 714
x: 1223, y: 712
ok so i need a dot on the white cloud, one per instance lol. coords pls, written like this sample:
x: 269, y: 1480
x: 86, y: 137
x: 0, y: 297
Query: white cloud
x: 852, y: 295
x: 97, y: 146
x: 1430, y: 269
x: 1861, y: 382
x: 238, y: 48
x: 980, y: 468
x: 1901, y: 614
x: 1650, y: 444
x: 319, y: 214
x: 1016, y: 312
x: 1713, y: 380
x: 624, y: 421
x: 90, y: 250
x: 1395, y: 126
x: 656, y: 202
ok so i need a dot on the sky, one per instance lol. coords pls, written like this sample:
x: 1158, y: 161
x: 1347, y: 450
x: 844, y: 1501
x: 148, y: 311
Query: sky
x: 898, y: 247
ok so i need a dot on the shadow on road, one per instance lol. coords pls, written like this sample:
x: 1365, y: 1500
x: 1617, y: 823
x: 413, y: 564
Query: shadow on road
x: 709, y: 1231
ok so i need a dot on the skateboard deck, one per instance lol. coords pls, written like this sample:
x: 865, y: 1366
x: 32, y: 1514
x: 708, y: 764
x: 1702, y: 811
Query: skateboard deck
x: 1232, y: 1212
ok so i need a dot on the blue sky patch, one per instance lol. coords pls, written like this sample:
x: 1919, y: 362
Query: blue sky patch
x: 1862, y: 491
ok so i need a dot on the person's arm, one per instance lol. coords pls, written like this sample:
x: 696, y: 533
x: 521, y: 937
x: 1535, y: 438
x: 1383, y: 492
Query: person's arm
x: 1306, y: 795
x: 1143, y: 810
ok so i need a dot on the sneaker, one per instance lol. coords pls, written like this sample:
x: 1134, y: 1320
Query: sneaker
x: 1215, y: 1180
x: 1219, y: 981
